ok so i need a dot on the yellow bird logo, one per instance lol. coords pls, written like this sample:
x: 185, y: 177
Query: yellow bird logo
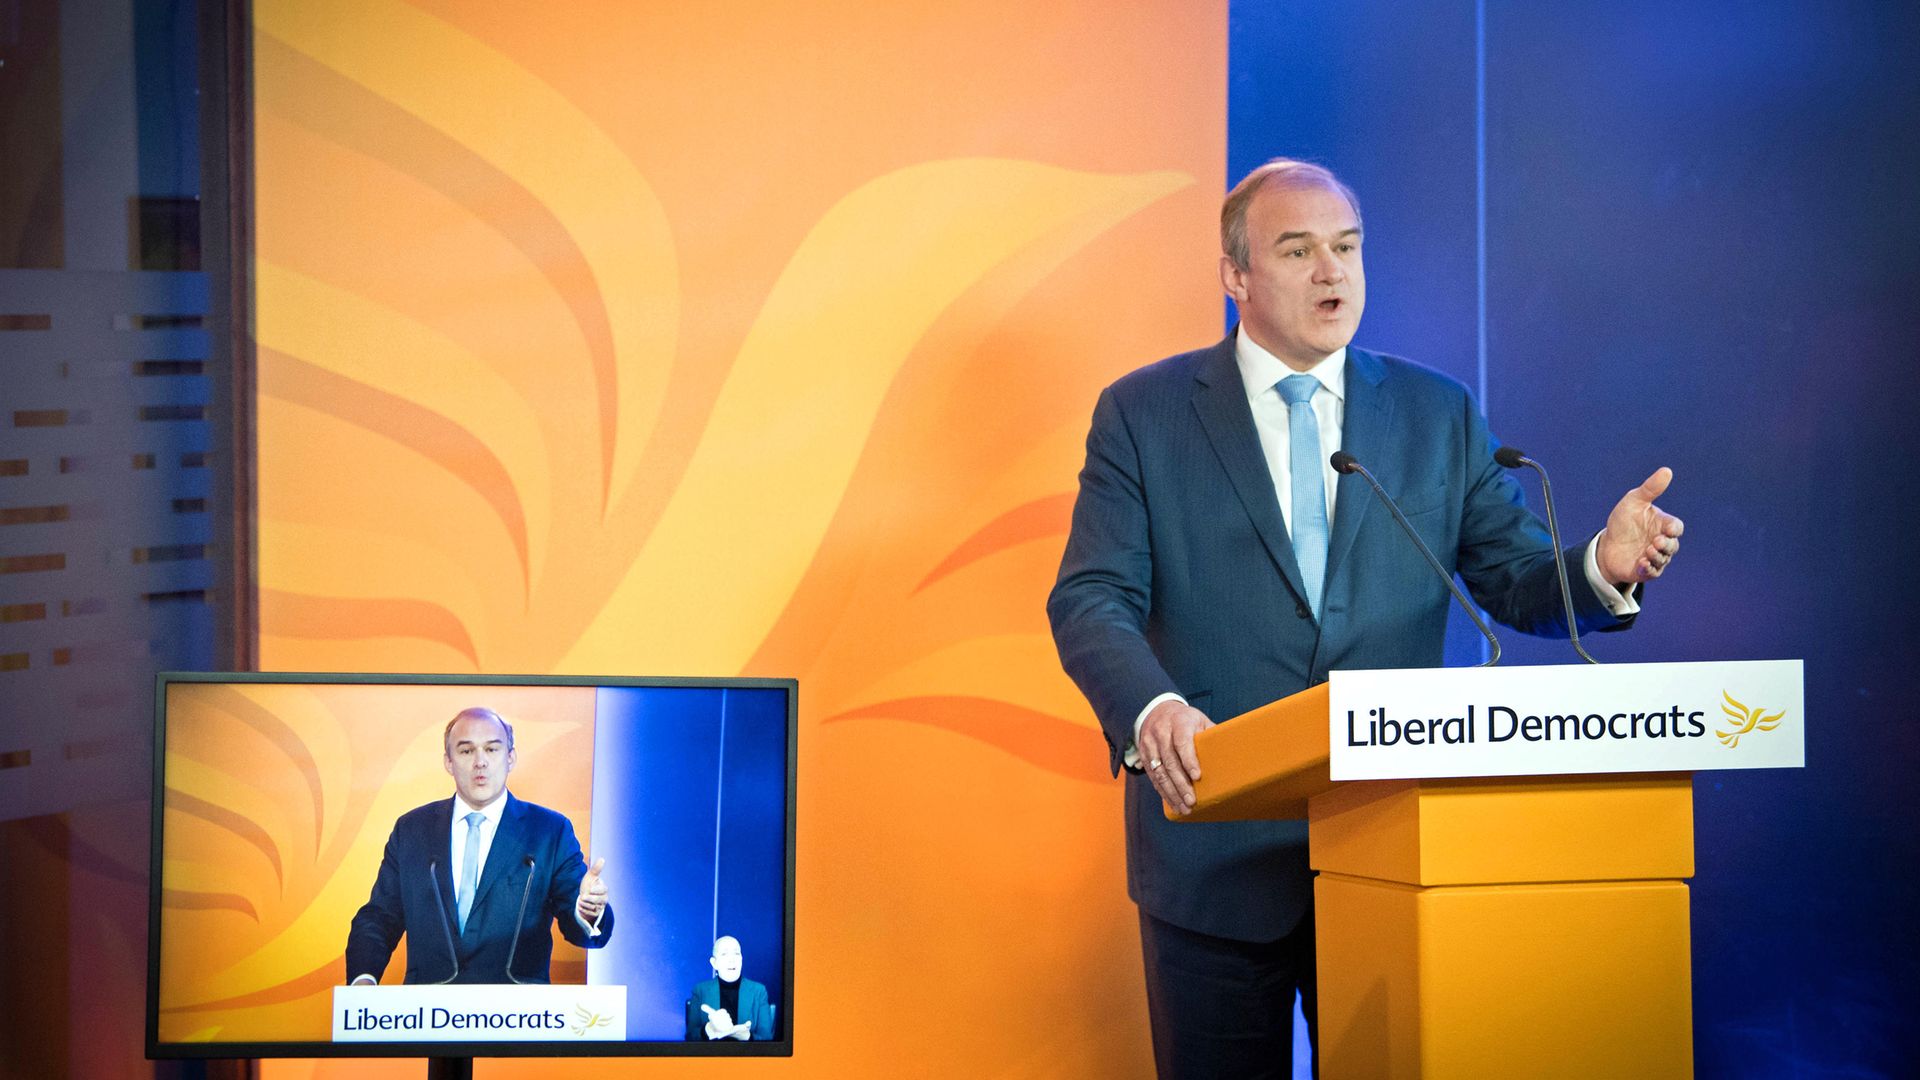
x: 1745, y: 720
x: 588, y: 1020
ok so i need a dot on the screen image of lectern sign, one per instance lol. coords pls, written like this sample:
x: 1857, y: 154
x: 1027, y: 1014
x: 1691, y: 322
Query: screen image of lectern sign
x: 479, y: 1013
x: 1559, y: 719
x: 308, y: 834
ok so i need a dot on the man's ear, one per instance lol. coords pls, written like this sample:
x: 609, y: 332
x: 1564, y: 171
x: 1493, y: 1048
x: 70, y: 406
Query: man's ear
x: 1233, y: 279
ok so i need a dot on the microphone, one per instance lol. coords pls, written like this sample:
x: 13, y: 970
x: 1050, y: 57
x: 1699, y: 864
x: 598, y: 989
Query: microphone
x: 433, y: 870
x: 525, y: 891
x: 1508, y: 457
x: 1346, y: 463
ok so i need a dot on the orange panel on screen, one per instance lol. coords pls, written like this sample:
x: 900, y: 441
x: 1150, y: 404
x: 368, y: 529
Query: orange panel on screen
x: 279, y: 801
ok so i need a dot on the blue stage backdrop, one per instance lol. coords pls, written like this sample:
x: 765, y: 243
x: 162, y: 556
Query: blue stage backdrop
x: 689, y: 810
x: 1654, y: 234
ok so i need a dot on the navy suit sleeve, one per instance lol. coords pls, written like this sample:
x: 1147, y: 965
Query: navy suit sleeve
x: 563, y: 891
x: 761, y: 1014
x: 1506, y: 554
x: 1101, y: 603
x: 378, y: 924
x: 763, y: 1019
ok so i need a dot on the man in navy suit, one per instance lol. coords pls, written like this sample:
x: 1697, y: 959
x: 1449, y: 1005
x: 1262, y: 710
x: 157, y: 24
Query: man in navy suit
x: 476, y: 882
x: 1217, y: 563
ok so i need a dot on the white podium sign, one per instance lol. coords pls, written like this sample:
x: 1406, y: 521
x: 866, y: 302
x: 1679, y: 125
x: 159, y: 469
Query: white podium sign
x: 1533, y: 721
x: 480, y: 1013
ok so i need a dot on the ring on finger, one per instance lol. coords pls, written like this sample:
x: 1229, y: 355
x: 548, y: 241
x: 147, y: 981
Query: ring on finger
x: 1154, y: 764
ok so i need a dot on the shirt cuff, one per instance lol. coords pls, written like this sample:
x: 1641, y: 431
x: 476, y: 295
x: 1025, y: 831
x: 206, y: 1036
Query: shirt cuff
x: 1622, y: 604
x: 371, y: 981
x: 1131, y: 759
x: 592, y: 928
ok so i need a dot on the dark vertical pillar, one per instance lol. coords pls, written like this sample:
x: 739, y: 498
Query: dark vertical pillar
x: 32, y: 235
x: 226, y: 180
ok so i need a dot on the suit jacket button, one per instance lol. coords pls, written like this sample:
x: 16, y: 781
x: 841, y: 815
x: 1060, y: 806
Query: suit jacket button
x: 1301, y: 610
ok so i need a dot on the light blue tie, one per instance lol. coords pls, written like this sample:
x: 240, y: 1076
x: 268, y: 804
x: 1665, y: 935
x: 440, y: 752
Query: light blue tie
x: 1309, y: 489
x: 470, y: 867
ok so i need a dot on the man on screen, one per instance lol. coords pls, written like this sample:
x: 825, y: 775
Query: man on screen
x: 476, y: 882
x: 1217, y: 563
x: 728, y: 1006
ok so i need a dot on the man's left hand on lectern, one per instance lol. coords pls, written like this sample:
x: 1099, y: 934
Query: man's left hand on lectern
x: 1166, y: 751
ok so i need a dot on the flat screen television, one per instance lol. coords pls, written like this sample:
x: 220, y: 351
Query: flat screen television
x: 304, y: 824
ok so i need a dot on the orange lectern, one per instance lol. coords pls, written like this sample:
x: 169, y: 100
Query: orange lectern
x: 1478, y: 927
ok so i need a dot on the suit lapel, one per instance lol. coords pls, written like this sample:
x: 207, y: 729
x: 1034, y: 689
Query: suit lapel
x: 1221, y: 403
x: 1364, y: 430
x: 442, y: 825
x: 508, y: 846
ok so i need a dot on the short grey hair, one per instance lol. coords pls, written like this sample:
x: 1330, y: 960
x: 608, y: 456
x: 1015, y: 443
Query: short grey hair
x: 446, y: 737
x: 1281, y: 173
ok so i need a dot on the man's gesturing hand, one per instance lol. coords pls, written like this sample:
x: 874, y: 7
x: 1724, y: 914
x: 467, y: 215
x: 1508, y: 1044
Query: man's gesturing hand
x: 721, y: 1026
x: 1166, y: 751
x: 1640, y: 539
x: 593, y: 894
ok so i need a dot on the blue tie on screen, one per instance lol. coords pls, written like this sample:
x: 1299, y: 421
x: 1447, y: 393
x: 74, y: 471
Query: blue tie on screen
x: 470, y: 868
x: 1309, y: 489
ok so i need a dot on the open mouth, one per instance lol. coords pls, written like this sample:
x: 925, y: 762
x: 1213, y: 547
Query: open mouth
x: 1331, y: 305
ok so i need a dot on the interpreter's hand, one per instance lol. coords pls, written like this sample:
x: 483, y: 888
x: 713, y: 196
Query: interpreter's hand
x: 1640, y: 538
x: 1166, y: 751
x: 593, y: 894
x: 719, y: 1023
x: 742, y: 1031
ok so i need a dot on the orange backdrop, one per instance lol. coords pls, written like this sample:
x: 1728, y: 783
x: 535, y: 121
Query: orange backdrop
x: 751, y: 338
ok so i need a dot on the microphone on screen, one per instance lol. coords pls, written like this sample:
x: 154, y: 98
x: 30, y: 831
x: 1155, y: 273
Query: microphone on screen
x: 525, y: 891
x: 433, y: 869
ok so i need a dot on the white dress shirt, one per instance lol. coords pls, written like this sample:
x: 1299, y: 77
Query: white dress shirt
x: 489, y: 827
x: 1260, y: 375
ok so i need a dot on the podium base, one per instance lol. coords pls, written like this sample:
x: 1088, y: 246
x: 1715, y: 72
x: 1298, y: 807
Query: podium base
x: 1586, y: 979
x: 1516, y: 927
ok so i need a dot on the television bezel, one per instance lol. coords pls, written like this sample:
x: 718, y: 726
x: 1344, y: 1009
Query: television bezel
x: 781, y: 1046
